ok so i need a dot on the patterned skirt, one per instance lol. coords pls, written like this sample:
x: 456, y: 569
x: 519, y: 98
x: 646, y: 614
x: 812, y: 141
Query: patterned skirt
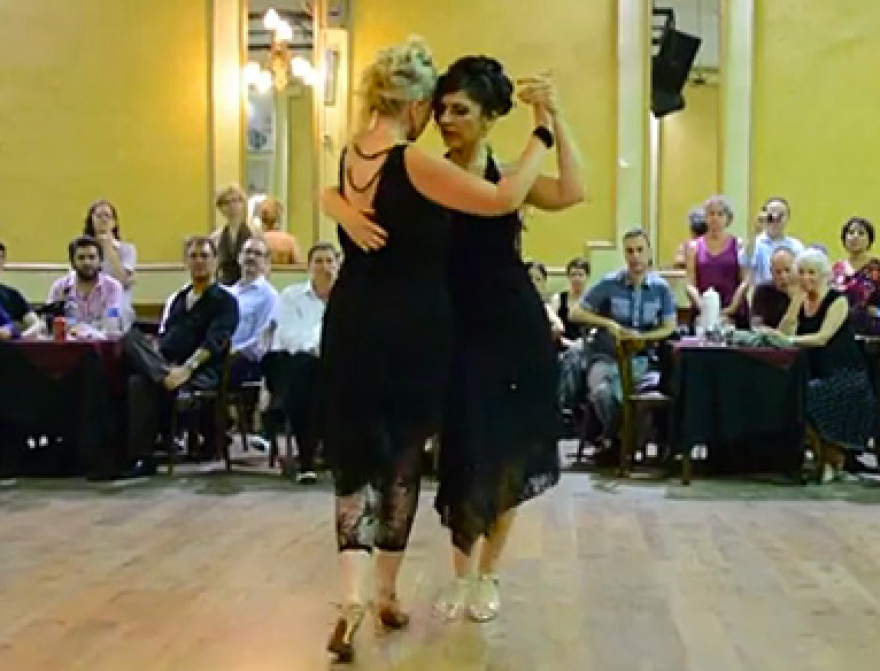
x: 843, y: 409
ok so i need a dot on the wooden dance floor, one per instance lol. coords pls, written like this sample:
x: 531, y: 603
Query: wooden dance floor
x: 239, y: 574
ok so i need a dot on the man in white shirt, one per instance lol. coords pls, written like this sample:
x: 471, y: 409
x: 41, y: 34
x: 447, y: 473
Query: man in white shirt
x: 256, y: 306
x: 291, y: 366
x: 774, y: 217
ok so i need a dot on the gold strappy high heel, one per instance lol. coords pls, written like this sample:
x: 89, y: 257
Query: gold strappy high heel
x: 341, y: 641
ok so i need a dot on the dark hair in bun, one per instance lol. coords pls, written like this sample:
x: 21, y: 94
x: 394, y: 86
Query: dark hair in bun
x: 482, y: 79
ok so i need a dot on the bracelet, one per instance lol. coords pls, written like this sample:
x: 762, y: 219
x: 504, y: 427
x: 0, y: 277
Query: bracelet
x: 544, y: 135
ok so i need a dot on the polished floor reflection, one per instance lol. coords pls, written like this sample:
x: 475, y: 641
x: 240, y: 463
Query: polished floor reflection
x: 214, y: 574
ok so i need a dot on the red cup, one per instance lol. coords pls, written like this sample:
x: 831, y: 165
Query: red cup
x: 58, y: 326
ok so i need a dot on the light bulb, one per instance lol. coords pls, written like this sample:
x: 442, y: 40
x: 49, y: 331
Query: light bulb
x: 251, y: 73
x: 264, y: 83
x: 271, y: 20
x: 283, y: 32
x: 313, y: 78
x: 300, y: 67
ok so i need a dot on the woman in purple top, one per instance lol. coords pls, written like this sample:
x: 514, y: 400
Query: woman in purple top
x: 858, y: 276
x: 714, y: 261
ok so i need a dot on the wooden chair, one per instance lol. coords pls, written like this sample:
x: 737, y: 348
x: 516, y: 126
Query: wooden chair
x: 635, y: 404
x: 216, y: 399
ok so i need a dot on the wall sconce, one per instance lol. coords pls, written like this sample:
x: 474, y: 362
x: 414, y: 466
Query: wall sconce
x: 279, y: 66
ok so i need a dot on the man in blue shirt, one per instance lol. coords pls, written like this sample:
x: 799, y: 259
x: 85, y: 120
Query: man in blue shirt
x: 629, y: 304
x: 773, y: 218
x: 256, y: 306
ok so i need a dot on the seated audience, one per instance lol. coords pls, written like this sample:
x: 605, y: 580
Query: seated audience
x: 283, y: 248
x: 17, y: 320
x: 771, y: 299
x: 697, y: 226
x: 858, y: 276
x: 92, y: 300
x: 578, y: 273
x: 256, y: 305
x: 291, y: 367
x: 714, y: 262
x: 230, y: 238
x: 630, y: 304
x: 840, y: 403
x: 773, y: 219
x: 198, y: 324
x: 120, y: 258
x: 538, y: 273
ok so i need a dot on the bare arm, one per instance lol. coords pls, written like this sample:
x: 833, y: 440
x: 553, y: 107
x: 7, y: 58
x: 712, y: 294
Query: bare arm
x: 579, y: 315
x: 445, y: 183
x: 788, y: 323
x: 834, y: 319
x: 116, y: 269
x: 557, y: 193
x: 680, y: 258
x: 692, y: 291
x: 363, y: 232
x: 556, y: 325
x: 740, y: 293
x: 662, y: 332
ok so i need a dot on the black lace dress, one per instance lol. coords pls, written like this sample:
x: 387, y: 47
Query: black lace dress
x: 387, y: 337
x: 840, y: 400
x: 498, y: 443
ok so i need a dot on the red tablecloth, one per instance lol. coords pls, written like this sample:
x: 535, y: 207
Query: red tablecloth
x: 57, y: 358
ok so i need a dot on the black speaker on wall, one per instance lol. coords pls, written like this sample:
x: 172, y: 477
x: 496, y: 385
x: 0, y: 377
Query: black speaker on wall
x: 669, y: 71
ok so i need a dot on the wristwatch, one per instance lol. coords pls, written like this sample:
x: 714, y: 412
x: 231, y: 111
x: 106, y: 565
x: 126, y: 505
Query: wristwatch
x: 192, y: 365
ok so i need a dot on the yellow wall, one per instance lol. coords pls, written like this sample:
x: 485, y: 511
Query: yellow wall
x: 301, y: 188
x: 102, y: 98
x: 688, y: 165
x: 816, y: 95
x: 575, y: 38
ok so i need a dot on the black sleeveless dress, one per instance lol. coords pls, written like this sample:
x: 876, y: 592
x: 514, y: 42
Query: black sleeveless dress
x: 840, y: 399
x: 498, y: 443
x: 387, y: 336
x: 572, y: 331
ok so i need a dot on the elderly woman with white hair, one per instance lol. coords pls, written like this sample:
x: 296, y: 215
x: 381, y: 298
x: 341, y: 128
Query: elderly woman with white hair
x: 715, y: 261
x: 841, y: 410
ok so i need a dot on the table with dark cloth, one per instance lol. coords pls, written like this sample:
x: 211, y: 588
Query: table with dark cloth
x: 71, y: 391
x: 746, y: 403
x: 870, y: 346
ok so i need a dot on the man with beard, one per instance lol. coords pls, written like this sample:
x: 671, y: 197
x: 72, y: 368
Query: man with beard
x: 90, y: 297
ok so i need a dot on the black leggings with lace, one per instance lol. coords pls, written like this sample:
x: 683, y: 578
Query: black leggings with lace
x: 381, y: 513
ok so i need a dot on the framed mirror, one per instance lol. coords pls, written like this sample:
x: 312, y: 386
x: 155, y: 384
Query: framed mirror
x: 296, y: 79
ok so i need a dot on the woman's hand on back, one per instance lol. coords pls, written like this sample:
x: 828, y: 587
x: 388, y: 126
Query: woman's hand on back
x: 365, y: 233
x: 358, y: 225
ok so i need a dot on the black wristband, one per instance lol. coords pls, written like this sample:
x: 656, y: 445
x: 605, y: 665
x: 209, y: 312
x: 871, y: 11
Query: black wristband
x: 544, y: 135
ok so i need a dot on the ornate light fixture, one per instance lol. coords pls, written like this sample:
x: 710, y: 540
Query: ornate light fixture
x: 280, y: 65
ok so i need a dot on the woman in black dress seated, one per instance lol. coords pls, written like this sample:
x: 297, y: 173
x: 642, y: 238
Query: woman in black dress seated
x: 841, y: 410
x: 578, y: 273
x: 387, y: 336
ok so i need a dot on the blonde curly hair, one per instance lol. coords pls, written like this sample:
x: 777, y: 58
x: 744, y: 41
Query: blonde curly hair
x: 399, y: 75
